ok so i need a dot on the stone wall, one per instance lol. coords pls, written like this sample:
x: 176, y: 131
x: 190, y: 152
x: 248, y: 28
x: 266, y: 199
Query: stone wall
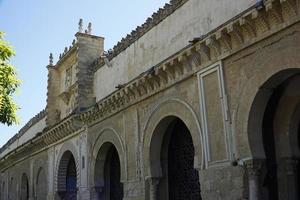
x: 194, y: 19
x: 214, y: 87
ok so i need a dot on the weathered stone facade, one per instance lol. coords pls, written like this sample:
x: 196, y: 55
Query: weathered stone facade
x: 215, y: 116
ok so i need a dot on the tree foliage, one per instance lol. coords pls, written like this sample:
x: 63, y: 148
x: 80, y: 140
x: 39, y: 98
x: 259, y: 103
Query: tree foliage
x: 8, y: 83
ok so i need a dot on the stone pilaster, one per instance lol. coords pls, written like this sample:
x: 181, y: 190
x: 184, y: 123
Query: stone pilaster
x: 254, y: 167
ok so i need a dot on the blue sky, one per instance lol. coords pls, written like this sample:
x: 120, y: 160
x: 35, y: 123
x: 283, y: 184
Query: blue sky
x: 37, y: 27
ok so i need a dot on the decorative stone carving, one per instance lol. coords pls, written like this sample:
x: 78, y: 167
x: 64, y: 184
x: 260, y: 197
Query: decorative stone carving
x: 80, y: 26
x: 50, y: 59
x: 89, y: 29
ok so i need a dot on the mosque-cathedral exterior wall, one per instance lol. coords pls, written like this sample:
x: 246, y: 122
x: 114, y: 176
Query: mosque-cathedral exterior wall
x: 214, y: 118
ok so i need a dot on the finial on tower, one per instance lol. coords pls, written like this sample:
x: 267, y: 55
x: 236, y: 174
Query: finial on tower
x: 89, y: 29
x: 51, y: 59
x: 80, y: 26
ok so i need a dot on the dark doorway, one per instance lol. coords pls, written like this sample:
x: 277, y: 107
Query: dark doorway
x: 270, y: 180
x: 112, y: 171
x: 182, y: 178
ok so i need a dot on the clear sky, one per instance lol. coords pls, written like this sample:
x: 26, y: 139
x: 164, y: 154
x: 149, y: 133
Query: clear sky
x: 37, y: 27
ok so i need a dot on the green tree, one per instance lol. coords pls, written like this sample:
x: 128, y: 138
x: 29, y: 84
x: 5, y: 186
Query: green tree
x: 8, y: 84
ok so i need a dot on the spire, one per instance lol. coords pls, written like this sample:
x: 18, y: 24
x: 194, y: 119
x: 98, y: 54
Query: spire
x: 89, y: 29
x: 51, y: 59
x: 80, y: 26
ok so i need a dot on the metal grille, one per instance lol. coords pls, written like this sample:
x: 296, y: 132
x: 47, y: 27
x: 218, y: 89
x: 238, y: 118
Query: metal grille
x: 183, y: 178
x: 71, y: 180
x: 116, y: 187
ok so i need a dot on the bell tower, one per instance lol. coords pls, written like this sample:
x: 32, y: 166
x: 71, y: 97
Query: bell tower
x: 70, y: 80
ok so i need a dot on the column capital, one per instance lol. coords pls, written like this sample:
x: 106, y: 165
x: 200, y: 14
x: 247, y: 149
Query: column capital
x: 153, y: 180
x: 291, y: 166
x: 254, y: 166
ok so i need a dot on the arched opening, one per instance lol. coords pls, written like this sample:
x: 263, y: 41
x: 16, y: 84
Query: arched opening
x: 12, y: 189
x: 24, y: 187
x: 270, y: 182
x: 108, y: 184
x: 179, y: 179
x: 41, y: 185
x: 67, y: 177
x: 272, y: 138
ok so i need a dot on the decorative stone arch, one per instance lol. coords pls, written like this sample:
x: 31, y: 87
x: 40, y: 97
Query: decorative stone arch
x: 12, y: 187
x: 272, y: 130
x: 164, y: 112
x: 41, y: 186
x: 107, y: 137
x: 65, y: 153
x: 257, y: 109
x: 24, y: 185
x: 40, y: 167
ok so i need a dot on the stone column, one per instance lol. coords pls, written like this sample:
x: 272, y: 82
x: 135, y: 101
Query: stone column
x: 254, y: 167
x: 153, y: 182
x: 291, y: 170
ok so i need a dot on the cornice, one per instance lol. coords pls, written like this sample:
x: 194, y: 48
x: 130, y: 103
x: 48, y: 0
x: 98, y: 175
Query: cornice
x: 42, y: 140
x: 248, y: 28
